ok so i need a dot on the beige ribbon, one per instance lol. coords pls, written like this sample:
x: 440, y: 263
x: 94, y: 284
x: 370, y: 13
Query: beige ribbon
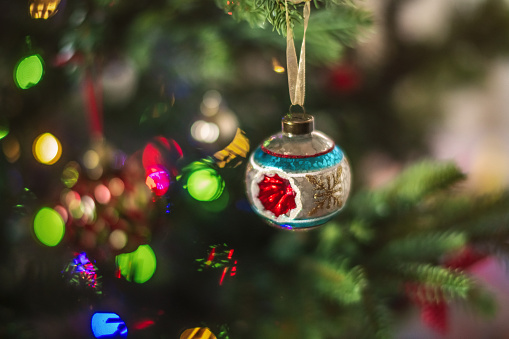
x: 296, y: 69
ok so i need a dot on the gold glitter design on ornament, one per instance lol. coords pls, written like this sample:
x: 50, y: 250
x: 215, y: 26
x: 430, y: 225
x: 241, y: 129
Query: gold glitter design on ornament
x: 327, y: 188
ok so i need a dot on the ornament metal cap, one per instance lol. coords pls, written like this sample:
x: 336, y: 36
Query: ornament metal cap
x: 298, y: 124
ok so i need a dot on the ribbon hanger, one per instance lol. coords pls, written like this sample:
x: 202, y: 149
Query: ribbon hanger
x: 296, y: 69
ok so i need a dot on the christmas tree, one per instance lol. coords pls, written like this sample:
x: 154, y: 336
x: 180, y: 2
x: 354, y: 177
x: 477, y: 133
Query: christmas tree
x: 126, y: 128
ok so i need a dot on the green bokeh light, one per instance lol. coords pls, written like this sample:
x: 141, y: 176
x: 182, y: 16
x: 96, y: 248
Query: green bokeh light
x: 4, y: 128
x: 49, y: 227
x: 217, y: 205
x: 205, y: 184
x: 29, y: 71
x: 138, y: 266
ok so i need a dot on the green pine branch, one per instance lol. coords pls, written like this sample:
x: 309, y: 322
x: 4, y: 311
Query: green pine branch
x: 378, y: 317
x: 338, y: 281
x: 393, y: 238
x: 333, y: 24
x: 442, y: 281
x: 421, y: 247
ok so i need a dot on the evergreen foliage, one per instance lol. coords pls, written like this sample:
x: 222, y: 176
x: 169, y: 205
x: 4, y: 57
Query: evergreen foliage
x: 334, y: 25
x: 407, y: 244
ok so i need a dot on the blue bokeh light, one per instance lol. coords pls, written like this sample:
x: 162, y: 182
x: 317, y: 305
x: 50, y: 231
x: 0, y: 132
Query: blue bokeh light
x: 108, y: 325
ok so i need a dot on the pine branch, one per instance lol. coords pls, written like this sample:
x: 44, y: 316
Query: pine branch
x: 339, y: 282
x: 378, y: 316
x: 438, y: 280
x: 423, y: 247
x: 408, y: 190
x: 331, y: 27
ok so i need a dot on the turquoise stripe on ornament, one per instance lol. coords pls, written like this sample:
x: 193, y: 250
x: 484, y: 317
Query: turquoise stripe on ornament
x: 300, y: 224
x: 299, y: 165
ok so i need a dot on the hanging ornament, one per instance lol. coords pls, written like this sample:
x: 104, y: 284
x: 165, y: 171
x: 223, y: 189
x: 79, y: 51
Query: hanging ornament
x: 299, y: 178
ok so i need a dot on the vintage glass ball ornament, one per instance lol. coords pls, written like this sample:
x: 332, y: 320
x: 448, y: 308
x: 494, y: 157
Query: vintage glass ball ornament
x: 298, y: 179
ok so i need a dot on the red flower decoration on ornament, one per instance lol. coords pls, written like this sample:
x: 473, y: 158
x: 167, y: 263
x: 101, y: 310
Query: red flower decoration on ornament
x: 276, y: 195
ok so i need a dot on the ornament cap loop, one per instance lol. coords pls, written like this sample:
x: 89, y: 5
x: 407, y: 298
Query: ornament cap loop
x: 298, y: 124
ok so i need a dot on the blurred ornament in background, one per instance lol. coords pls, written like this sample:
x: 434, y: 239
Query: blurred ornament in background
x: 49, y: 227
x: 82, y: 273
x: 160, y: 157
x: 197, y: 333
x: 158, y: 180
x: 233, y: 154
x: 216, y: 125
x: 299, y: 178
x: 138, y: 266
x: 43, y: 9
x: 47, y: 149
x: 29, y: 71
x: 345, y: 78
x: 108, y: 325
x: 110, y: 210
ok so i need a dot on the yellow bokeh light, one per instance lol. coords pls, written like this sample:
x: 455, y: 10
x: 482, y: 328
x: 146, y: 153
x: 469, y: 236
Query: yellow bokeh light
x: 118, y: 239
x: 91, y: 159
x: 116, y: 186
x: 47, y: 149
x: 276, y: 66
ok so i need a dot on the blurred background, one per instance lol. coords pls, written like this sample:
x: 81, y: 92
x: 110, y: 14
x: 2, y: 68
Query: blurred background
x: 138, y: 96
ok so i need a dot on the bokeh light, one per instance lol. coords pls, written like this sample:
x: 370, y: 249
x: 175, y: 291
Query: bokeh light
x: 217, y: 205
x: 116, y: 186
x: 205, y: 184
x: 118, y: 239
x: 4, y: 128
x: 197, y: 332
x: 211, y: 102
x: 43, y: 9
x: 102, y: 194
x: 49, y: 226
x: 108, y: 325
x: 88, y: 208
x: 11, y: 149
x: 91, y: 159
x: 70, y: 174
x: 63, y: 213
x: 28, y: 72
x: 158, y: 181
x: 138, y: 266
x: 203, y: 131
x: 276, y: 66
x: 47, y: 149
